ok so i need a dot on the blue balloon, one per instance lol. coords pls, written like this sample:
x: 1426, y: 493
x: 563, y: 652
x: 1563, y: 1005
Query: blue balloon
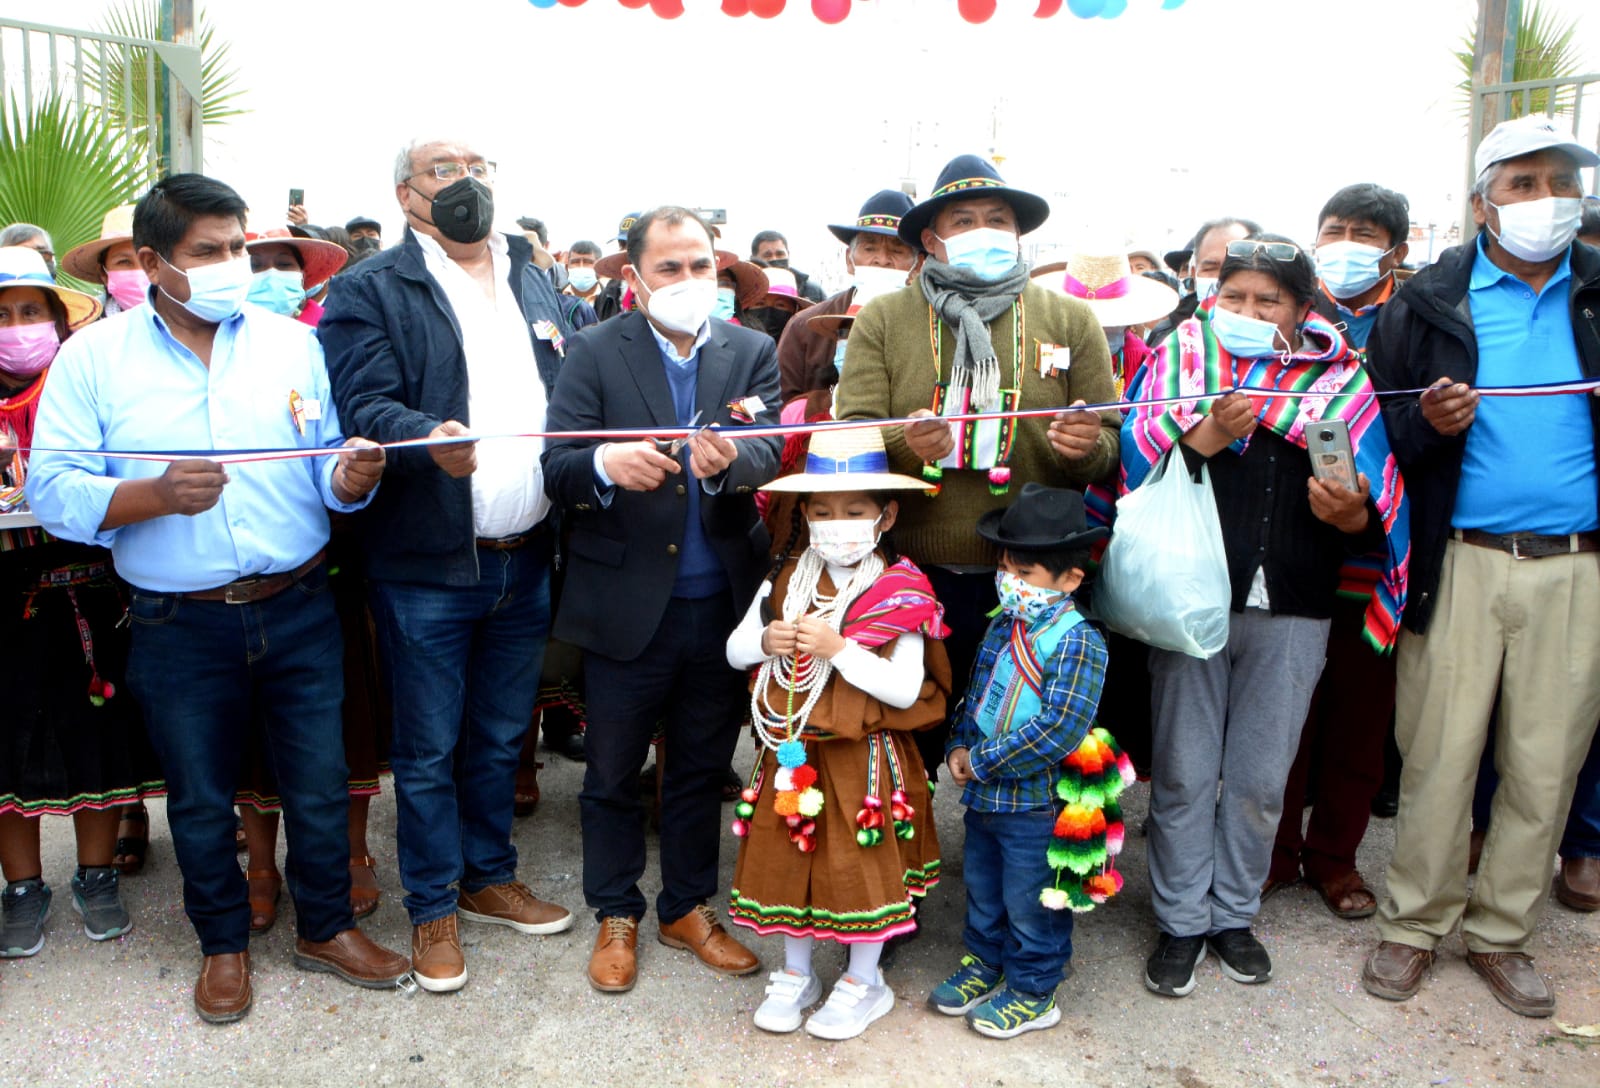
x: 1086, y: 9
x: 543, y: 3
x: 1171, y: 5
x: 1113, y: 8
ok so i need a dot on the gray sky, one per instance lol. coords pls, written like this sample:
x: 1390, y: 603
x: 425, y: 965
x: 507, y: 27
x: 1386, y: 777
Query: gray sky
x: 1134, y: 129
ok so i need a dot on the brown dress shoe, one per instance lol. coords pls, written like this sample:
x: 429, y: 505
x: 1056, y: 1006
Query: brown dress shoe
x: 1394, y: 970
x: 222, y: 992
x: 701, y: 933
x: 614, y: 963
x: 1578, y: 886
x: 354, y: 957
x: 436, y: 960
x: 1514, y: 982
x: 515, y: 906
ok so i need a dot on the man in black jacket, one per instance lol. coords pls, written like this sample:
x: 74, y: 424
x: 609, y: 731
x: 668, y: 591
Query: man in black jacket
x: 455, y: 326
x: 1505, y: 579
x: 665, y: 554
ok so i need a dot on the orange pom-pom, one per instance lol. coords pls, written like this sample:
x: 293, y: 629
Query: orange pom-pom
x: 786, y: 803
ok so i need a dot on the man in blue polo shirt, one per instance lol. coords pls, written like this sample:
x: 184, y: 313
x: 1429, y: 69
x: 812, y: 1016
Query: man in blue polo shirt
x: 1505, y: 579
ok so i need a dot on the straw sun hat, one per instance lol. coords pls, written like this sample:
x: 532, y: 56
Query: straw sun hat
x: 23, y: 267
x: 847, y: 460
x: 83, y: 262
x: 1117, y: 295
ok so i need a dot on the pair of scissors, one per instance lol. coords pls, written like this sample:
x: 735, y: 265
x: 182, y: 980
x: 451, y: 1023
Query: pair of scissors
x: 674, y: 447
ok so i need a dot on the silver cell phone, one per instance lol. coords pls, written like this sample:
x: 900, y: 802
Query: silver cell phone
x: 1332, y: 459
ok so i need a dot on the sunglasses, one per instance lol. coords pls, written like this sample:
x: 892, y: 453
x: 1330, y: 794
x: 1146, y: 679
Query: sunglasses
x: 1277, y: 251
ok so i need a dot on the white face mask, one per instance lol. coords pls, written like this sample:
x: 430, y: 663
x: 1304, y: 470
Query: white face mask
x: 871, y: 283
x: 1348, y: 269
x: 844, y: 542
x: 1538, y: 230
x: 683, y: 306
x: 216, y: 291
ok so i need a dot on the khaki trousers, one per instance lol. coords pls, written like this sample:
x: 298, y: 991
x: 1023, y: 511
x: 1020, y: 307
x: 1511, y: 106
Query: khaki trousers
x: 1530, y: 628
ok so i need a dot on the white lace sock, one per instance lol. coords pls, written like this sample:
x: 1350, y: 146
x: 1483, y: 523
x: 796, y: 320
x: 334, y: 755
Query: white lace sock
x: 797, y: 954
x: 864, y: 961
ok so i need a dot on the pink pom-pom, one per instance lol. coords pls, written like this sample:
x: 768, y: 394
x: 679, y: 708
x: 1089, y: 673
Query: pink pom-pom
x: 872, y: 802
x: 793, y: 820
x: 899, y: 797
x: 741, y: 828
x: 748, y: 795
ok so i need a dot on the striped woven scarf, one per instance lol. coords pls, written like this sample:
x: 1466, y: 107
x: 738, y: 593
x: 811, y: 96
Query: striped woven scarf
x: 1331, y: 384
x: 899, y: 602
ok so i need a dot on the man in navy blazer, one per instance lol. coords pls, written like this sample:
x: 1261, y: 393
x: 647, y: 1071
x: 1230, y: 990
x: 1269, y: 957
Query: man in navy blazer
x: 666, y: 551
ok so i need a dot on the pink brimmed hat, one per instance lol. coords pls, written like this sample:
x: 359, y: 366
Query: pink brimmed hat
x: 319, y: 259
x: 1117, y: 295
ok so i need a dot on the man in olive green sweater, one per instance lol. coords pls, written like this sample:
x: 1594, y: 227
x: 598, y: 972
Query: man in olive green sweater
x: 972, y: 333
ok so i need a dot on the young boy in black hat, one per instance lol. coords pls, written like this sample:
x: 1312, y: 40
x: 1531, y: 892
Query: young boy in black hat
x: 1032, y: 699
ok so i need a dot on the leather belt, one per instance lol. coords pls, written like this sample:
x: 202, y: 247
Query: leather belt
x: 512, y: 543
x: 259, y: 588
x: 1531, y: 545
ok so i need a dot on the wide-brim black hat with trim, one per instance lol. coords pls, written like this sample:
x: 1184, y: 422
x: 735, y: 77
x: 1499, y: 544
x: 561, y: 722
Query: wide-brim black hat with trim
x: 965, y: 177
x: 1041, y: 519
x: 881, y: 214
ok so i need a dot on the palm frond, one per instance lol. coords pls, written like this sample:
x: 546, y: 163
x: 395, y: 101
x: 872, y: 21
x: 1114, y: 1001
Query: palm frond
x: 64, y: 169
x: 1547, y: 48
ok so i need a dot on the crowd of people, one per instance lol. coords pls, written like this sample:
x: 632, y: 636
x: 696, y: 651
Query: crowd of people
x: 309, y: 507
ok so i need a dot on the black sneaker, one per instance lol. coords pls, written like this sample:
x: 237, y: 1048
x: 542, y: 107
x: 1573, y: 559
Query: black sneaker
x: 1244, y: 959
x: 1170, y: 968
x: 95, y: 896
x: 24, y: 906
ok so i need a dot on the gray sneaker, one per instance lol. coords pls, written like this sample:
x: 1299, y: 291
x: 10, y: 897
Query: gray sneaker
x: 96, y: 897
x: 24, y: 905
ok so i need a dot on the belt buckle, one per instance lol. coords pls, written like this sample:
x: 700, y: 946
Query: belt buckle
x: 1516, y: 546
x: 244, y: 587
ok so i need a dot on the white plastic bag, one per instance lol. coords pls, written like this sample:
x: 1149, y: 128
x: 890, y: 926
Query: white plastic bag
x: 1164, y: 577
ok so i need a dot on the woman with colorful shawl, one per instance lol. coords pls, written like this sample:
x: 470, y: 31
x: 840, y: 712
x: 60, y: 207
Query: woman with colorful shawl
x: 845, y: 645
x: 1236, y: 716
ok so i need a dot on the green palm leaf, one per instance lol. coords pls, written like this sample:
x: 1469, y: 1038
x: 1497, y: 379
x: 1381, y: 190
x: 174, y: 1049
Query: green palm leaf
x: 1546, y: 49
x: 64, y: 169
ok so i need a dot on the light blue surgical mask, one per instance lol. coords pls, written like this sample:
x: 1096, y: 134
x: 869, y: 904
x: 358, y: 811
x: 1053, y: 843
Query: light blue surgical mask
x: 1348, y: 269
x: 279, y: 291
x: 1246, y: 337
x: 216, y: 291
x: 838, y: 356
x: 582, y: 278
x: 986, y: 252
x: 723, y: 307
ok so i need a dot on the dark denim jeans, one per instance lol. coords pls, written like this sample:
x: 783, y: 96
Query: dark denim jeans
x: 1005, y: 867
x: 203, y: 671
x: 463, y: 665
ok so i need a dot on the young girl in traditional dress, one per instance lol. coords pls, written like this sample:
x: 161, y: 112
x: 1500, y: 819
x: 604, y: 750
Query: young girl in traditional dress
x: 838, y: 832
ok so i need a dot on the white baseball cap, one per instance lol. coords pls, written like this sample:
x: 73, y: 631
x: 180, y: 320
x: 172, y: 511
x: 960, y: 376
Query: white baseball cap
x: 1525, y: 135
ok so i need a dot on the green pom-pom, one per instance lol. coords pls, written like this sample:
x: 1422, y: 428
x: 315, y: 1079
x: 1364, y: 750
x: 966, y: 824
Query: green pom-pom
x: 905, y: 831
x: 864, y: 837
x: 744, y: 810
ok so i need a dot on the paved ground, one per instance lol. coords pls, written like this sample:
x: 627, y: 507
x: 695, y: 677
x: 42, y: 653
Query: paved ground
x: 86, y: 1014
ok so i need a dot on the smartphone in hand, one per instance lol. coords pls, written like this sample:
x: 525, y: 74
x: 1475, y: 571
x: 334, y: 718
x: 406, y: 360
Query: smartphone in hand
x: 297, y: 198
x: 1332, y: 459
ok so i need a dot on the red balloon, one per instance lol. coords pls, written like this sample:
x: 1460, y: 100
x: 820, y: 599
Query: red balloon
x: 571, y: 3
x: 830, y: 11
x: 667, y: 9
x: 736, y: 8
x: 1047, y: 8
x: 766, y: 9
x: 635, y: 3
x: 977, y: 11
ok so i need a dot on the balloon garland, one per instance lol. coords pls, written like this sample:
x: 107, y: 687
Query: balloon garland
x: 833, y: 12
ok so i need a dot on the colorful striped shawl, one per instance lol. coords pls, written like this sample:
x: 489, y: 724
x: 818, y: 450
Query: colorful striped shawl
x: 1332, y: 384
x: 899, y: 602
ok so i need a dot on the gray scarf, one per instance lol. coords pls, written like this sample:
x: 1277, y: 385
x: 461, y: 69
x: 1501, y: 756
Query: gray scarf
x: 967, y: 303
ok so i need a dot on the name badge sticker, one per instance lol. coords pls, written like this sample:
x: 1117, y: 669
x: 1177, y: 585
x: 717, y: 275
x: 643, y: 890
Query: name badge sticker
x: 1054, y: 358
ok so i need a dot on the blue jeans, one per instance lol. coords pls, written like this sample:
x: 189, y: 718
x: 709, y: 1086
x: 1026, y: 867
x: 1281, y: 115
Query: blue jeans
x: 1005, y: 868
x: 203, y: 671
x: 463, y: 665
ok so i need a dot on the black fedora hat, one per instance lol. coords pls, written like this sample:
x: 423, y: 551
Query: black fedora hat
x: 965, y: 177
x: 881, y: 214
x: 1041, y: 519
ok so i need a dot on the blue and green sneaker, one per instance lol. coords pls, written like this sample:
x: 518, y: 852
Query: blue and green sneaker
x: 1010, y: 1013
x: 967, y: 988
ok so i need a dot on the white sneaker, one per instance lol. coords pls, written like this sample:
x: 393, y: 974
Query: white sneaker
x: 851, y: 1006
x: 788, y: 996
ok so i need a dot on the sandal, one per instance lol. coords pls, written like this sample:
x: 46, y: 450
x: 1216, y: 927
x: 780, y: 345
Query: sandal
x: 364, y: 892
x: 1273, y: 886
x: 131, y: 850
x: 526, y: 798
x: 1348, y: 896
x: 265, y: 886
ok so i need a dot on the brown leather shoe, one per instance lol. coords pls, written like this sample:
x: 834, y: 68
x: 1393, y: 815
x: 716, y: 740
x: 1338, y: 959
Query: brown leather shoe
x: 222, y: 992
x: 1394, y: 970
x: 436, y: 960
x: 701, y: 933
x: 354, y: 957
x: 1578, y: 886
x: 1514, y: 982
x: 515, y: 906
x: 614, y: 963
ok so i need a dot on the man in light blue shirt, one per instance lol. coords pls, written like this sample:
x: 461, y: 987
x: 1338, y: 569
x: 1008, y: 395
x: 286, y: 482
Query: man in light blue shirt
x: 233, y: 621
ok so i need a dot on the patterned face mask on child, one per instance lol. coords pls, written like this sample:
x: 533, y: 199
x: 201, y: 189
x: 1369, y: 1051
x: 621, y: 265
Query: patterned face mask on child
x: 846, y: 541
x: 1022, y: 601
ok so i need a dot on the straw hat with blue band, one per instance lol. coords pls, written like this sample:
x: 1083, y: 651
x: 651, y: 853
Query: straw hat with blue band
x: 23, y: 267
x: 967, y: 177
x: 847, y: 460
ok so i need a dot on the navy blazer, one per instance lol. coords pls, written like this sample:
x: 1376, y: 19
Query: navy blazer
x: 398, y: 369
x: 622, y: 559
